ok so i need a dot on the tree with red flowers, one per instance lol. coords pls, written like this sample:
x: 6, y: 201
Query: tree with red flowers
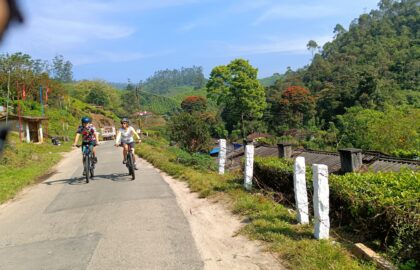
x: 297, y: 106
x: 194, y: 104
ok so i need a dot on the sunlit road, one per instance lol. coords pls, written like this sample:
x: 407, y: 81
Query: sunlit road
x: 110, y: 223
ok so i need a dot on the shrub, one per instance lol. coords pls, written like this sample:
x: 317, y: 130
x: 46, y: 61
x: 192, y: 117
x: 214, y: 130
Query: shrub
x: 190, y: 131
x: 199, y: 161
x: 383, y: 205
x: 412, y: 154
x: 379, y: 206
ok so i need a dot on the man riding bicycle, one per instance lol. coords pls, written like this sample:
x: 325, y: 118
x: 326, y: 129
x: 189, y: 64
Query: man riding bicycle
x: 125, y: 137
x: 89, y: 136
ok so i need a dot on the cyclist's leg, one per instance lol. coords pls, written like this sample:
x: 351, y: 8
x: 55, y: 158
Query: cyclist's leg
x: 95, y: 158
x: 134, y: 155
x: 125, y: 151
x: 132, y: 150
x: 84, y: 145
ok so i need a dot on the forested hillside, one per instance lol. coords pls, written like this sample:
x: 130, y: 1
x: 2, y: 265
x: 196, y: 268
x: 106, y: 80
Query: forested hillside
x: 269, y: 81
x: 364, y: 81
x: 163, y: 80
x: 376, y: 61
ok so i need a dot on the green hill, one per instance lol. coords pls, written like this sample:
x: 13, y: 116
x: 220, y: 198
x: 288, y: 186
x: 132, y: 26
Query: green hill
x: 162, y: 81
x: 157, y: 104
x: 269, y: 81
x: 373, y: 63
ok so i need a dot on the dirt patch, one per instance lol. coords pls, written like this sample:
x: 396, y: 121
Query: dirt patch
x: 45, y: 176
x: 99, y: 120
x: 215, y: 229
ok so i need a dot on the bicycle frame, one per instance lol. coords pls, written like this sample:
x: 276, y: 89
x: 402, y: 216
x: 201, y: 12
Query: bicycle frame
x: 130, y: 162
x: 87, y: 151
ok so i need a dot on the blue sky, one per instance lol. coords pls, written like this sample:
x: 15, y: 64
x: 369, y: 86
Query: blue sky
x: 119, y: 39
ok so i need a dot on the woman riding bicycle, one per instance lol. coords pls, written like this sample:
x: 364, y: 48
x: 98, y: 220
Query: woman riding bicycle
x: 125, y: 138
x: 89, y: 135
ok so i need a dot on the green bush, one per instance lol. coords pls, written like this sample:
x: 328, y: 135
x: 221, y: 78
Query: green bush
x: 277, y: 174
x: 199, y: 161
x: 385, y: 206
x: 412, y: 154
x: 381, y: 207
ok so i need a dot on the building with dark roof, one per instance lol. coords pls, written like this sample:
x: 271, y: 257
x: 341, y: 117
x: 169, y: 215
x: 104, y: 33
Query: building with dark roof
x: 369, y: 160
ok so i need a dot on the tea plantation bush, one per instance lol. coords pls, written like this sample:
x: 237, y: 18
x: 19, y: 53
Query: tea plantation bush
x: 384, y: 206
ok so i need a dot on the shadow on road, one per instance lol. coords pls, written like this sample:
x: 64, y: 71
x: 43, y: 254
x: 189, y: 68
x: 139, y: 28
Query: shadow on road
x: 116, y: 177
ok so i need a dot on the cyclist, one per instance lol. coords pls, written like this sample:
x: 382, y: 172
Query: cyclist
x: 125, y: 137
x: 89, y: 136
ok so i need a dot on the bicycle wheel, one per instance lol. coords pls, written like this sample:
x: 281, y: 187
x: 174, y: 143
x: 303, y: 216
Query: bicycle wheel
x: 92, y: 168
x: 86, y: 167
x: 130, y: 162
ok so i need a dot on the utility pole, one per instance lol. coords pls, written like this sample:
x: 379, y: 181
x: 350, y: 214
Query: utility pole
x: 8, y: 96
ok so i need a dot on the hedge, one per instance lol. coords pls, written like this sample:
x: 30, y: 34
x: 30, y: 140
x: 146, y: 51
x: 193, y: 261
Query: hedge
x: 383, y: 207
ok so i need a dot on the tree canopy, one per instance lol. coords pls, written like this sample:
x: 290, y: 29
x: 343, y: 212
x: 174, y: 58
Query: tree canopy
x: 163, y: 80
x: 235, y: 86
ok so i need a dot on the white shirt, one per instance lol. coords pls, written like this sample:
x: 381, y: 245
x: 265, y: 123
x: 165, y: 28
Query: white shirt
x: 126, y: 135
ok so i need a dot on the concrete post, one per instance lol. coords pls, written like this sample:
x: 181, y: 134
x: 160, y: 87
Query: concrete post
x: 41, y: 136
x: 222, y: 156
x: 351, y: 159
x: 28, y: 136
x: 285, y: 150
x: 321, y: 201
x: 301, y: 196
x: 249, y: 166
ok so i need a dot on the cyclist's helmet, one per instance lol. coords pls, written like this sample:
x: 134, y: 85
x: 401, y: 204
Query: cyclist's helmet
x: 86, y: 120
x: 125, y: 120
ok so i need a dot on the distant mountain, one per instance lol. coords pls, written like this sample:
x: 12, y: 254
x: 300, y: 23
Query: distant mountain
x: 163, y: 81
x: 269, y: 81
x: 117, y: 85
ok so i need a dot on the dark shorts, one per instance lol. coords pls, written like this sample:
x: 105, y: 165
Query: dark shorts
x: 93, y: 143
x: 130, y: 144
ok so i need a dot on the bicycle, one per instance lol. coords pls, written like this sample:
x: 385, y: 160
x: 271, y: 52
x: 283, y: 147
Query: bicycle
x: 88, y: 162
x: 130, y: 162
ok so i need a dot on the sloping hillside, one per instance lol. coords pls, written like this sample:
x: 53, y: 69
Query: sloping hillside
x: 157, y: 104
x: 269, y: 81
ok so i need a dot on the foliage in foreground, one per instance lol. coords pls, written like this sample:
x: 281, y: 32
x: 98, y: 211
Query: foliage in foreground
x: 384, y: 206
x: 22, y: 164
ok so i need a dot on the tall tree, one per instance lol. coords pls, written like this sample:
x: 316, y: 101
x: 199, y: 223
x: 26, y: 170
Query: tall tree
x: 190, y: 130
x: 297, y: 106
x: 236, y: 87
x: 62, y: 70
x: 312, y: 46
x: 194, y: 104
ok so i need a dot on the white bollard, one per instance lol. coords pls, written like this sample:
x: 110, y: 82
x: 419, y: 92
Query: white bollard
x: 249, y: 166
x: 321, y: 201
x: 222, y: 156
x: 301, y: 195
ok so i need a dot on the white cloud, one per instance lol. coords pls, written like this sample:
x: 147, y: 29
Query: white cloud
x: 320, y: 9
x: 62, y: 27
x: 108, y: 57
x: 246, y: 6
x: 155, y: 4
x: 275, y: 45
x: 297, y: 11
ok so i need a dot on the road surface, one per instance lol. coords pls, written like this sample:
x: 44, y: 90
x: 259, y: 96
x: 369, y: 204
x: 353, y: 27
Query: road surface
x: 110, y: 223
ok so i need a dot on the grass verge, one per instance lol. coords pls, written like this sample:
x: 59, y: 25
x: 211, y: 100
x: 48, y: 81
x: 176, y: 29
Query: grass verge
x: 21, y: 164
x: 268, y: 221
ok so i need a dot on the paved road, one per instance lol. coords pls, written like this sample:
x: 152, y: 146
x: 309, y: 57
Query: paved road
x: 110, y: 223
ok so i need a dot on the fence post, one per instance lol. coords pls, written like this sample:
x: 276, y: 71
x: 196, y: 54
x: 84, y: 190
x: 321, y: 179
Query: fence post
x: 249, y: 166
x: 222, y: 156
x: 301, y: 195
x: 321, y: 201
